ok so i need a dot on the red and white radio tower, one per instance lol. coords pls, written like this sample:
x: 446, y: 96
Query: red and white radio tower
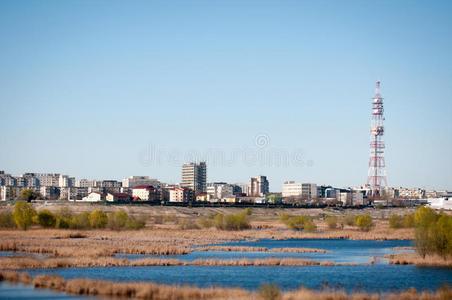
x: 376, y: 176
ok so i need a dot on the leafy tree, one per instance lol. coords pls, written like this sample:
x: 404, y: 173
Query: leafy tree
x: 23, y: 215
x: 28, y: 195
x: 46, y: 218
x: 350, y: 220
x: 364, y: 222
x: 309, y: 226
x: 425, y: 216
x: 98, y: 219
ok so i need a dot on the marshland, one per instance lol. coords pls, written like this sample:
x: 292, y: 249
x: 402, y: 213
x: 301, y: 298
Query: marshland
x: 212, y: 253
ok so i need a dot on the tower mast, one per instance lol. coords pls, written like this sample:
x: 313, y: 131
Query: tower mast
x: 376, y: 175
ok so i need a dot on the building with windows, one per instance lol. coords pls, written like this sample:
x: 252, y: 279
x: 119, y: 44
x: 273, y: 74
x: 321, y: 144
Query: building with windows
x: 291, y: 189
x: 146, y: 193
x: 179, y: 194
x: 220, y: 190
x: 134, y: 181
x: 258, y: 186
x: 194, y: 176
x: 308, y: 190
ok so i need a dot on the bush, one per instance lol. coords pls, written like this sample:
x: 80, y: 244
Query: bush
x: 136, y: 223
x: 7, y: 220
x: 364, y: 222
x: 117, y: 220
x: 232, y: 222
x: 187, y: 224
x: 395, y: 221
x: 408, y: 221
x: 23, y: 215
x: 98, y: 219
x: 28, y: 195
x: 309, y: 226
x: 80, y: 221
x: 331, y: 222
x: 62, y: 223
x: 350, y: 220
x: 298, y: 223
x: 205, y: 222
x: 269, y: 291
x: 46, y: 218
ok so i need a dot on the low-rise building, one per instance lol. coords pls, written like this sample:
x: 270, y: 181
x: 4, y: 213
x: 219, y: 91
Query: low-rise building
x: 179, y: 194
x: 146, y: 193
x: 94, y: 197
x: 118, y: 197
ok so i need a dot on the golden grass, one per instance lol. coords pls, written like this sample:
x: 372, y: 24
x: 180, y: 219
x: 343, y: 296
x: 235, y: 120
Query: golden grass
x: 416, y: 259
x: 23, y: 263
x: 148, y: 290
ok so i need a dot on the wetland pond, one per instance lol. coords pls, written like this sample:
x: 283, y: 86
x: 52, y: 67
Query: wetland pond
x: 377, y: 277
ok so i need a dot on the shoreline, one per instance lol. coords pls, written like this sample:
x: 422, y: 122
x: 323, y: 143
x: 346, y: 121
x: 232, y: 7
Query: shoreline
x: 150, y: 290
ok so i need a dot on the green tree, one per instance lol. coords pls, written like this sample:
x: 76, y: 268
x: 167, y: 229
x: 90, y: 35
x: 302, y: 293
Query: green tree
x: 23, y: 215
x: 364, y: 222
x: 46, y: 218
x: 80, y: 221
x: 425, y: 216
x: 98, y: 219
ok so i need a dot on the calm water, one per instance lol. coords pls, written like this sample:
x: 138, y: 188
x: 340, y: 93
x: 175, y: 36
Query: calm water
x: 22, y: 292
x: 372, y: 278
x: 341, y: 250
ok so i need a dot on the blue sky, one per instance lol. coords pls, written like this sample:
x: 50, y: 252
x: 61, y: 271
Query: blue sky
x: 110, y: 89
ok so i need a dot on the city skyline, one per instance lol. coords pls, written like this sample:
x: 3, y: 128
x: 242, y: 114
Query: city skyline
x: 95, y: 90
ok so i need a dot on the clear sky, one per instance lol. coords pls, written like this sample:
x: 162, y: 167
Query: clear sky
x: 110, y: 89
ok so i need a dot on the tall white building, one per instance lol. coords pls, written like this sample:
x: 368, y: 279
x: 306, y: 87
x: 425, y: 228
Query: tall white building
x: 309, y: 190
x: 194, y: 176
x: 134, y: 181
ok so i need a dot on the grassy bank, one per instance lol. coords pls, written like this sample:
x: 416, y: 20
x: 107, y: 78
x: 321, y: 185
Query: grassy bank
x: 147, y: 290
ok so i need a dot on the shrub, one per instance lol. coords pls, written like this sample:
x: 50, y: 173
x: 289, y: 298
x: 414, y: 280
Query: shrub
x: 408, y: 221
x: 331, y: 222
x: 364, y: 222
x: 309, y: 226
x: 395, y: 221
x: 46, y: 218
x: 117, y: 220
x: 136, y: 223
x: 29, y: 194
x: 269, y: 291
x: 187, y: 224
x: 425, y: 216
x: 7, y: 220
x: 23, y: 215
x: 98, y: 219
x: 350, y: 220
x: 205, y: 222
x: 80, y: 221
x: 232, y: 222
x: 62, y: 223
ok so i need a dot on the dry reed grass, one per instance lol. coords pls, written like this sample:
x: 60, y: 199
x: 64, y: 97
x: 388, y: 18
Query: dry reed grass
x: 24, y: 263
x: 416, y: 259
x: 147, y: 290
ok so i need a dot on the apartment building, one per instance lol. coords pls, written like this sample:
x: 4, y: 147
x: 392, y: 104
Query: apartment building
x: 194, y: 176
x: 258, y: 186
